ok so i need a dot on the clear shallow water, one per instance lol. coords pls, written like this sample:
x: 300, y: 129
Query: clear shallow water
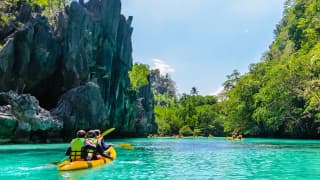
x: 164, y: 158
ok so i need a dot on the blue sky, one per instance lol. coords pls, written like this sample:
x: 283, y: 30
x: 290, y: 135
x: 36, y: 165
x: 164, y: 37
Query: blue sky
x: 200, y: 42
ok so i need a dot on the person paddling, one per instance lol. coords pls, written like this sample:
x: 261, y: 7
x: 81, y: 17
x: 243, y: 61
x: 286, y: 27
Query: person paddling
x: 75, y: 149
x: 90, y: 146
x: 101, y: 146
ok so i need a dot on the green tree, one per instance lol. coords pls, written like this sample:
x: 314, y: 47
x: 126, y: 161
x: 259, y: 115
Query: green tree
x: 186, y: 131
x: 279, y: 96
x: 194, y: 91
x: 231, y: 80
x: 139, y: 76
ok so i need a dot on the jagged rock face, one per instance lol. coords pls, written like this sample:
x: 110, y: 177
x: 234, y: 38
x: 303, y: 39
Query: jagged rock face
x: 97, y: 47
x: 96, y: 43
x: 145, y: 123
x: 29, y: 58
x: 78, y: 105
x: 90, y: 43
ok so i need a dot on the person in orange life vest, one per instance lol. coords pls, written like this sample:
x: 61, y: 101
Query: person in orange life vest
x: 75, y: 149
x: 101, y: 146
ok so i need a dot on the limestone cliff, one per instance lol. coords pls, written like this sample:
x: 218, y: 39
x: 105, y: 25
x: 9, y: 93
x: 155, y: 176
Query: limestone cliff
x: 77, y: 68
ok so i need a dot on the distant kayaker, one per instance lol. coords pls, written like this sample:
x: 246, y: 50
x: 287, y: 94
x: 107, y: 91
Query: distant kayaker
x: 75, y: 149
x: 237, y: 134
x: 101, y: 146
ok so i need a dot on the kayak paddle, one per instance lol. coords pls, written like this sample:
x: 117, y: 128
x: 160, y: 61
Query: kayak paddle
x: 58, y: 162
x: 106, y: 132
x: 124, y: 146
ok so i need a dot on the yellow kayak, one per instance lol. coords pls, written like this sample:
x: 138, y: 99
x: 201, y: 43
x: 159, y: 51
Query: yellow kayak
x: 235, y: 139
x: 74, y: 165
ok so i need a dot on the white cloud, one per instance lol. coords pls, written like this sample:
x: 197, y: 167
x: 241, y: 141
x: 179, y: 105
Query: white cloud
x: 162, y: 66
x: 217, y: 92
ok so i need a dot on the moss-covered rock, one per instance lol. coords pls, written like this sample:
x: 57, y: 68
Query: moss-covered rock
x: 21, y: 116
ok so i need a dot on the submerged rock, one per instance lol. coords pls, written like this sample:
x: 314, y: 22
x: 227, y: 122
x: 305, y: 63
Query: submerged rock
x: 20, y: 115
x: 8, y: 124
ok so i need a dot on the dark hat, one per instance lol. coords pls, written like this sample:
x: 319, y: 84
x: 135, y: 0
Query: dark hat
x: 97, y: 131
x: 91, y: 134
x: 81, y: 133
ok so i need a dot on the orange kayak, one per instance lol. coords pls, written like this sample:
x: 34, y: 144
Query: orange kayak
x: 74, y: 165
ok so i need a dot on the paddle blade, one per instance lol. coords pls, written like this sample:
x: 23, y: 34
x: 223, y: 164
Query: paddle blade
x: 126, y: 146
x: 55, y: 162
x: 107, y: 132
x: 58, y: 162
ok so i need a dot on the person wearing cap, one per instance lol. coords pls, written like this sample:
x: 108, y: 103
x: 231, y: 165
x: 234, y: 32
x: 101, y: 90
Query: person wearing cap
x: 102, y: 148
x: 90, y: 146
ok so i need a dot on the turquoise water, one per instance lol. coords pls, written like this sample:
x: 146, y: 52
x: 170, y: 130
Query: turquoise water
x: 166, y: 158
